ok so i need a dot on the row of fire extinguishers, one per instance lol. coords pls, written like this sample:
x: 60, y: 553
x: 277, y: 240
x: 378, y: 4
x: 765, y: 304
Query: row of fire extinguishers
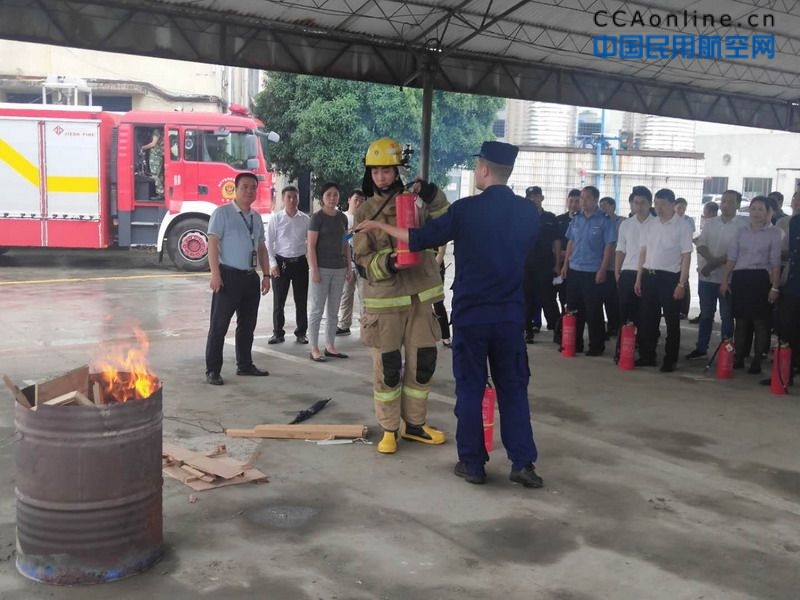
x: 626, y: 353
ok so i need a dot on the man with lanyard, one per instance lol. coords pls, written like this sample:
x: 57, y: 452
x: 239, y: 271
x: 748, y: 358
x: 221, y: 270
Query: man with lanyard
x: 287, y: 237
x: 492, y: 233
x: 235, y: 248
x: 591, y: 237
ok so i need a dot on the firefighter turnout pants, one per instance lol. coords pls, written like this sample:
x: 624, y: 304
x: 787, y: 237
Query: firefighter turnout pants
x: 410, y: 335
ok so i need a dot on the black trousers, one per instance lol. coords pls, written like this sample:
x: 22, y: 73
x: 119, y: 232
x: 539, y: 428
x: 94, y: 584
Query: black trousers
x: 240, y: 294
x: 440, y: 310
x: 629, y: 305
x: 294, y: 272
x: 611, y: 301
x: 658, y: 288
x: 544, y: 293
x: 586, y: 297
x: 789, y: 323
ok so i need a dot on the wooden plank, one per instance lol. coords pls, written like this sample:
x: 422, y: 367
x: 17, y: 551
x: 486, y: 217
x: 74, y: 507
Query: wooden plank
x: 300, y: 431
x: 77, y: 379
x: 63, y: 399
x: 222, y: 466
x: 97, y: 393
x: 248, y: 476
x: 198, y: 474
x: 16, y: 392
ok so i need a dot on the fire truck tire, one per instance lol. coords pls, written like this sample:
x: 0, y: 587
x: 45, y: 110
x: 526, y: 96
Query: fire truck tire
x: 187, y: 244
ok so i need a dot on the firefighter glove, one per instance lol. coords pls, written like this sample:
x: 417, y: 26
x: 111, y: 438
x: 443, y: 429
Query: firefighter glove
x: 427, y: 191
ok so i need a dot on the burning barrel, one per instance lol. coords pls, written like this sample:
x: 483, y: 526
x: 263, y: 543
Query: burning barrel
x: 89, y: 484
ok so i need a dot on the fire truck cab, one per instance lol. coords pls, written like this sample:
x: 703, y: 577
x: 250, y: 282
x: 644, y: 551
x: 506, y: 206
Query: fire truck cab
x: 78, y: 177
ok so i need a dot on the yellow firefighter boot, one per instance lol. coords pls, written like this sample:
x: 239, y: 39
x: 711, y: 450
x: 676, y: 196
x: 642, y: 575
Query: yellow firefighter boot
x: 423, y: 433
x: 388, y: 444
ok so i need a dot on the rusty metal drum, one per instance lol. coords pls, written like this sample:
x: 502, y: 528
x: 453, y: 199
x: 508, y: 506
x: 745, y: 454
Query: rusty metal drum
x: 88, y: 488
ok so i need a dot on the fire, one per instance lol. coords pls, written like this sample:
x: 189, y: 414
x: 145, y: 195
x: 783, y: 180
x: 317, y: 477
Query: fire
x: 124, y: 375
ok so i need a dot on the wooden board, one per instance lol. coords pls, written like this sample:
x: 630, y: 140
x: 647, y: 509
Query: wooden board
x: 73, y: 397
x: 300, y: 431
x: 75, y: 380
x: 16, y: 392
x: 248, y: 476
x: 221, y: 466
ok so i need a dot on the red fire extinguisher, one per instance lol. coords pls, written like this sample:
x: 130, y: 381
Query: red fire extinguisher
x: 568, y: 331
x: 408, y: 217
x: 725, y: 359
x: 627, y: 347
x: 781, y: 369
x: 487, y: 407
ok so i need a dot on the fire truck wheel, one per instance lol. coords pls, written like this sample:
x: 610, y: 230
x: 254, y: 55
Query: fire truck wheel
x: 187, y: 244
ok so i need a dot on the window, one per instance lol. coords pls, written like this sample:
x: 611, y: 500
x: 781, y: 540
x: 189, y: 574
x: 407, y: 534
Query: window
x: 229, y: 147
x: 756, y: 186
x: 715, y: 185
x: 114, y: 103
x: 499, y: 128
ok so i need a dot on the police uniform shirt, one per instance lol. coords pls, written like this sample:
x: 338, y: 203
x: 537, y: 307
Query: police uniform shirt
x: 492, y: 234
x: 236, y: 242
x: 590, y: 236
x: 629, y: 241
x: 287, y: 236
x: 666, y: 242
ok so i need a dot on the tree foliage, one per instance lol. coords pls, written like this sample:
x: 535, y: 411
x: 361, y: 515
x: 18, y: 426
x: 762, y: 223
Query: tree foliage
x: 326, y: 125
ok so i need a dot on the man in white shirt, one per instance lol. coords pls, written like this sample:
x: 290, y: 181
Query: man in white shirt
x: 287, y: 240
x: 661, y: 280
x: 712, y: 249
x: 626, y: 261
x: 355, y: 200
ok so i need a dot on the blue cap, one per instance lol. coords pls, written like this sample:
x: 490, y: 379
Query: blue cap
x: 499, y: 153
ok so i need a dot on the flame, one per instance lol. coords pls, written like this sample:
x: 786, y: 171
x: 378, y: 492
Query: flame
x: 124, y: 375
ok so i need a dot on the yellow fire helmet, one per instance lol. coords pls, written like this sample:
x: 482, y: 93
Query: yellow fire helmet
x: 384, y: 152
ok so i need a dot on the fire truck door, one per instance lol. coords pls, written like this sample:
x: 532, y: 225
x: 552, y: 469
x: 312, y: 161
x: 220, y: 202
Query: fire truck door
x: 72, y: 209
x: 21, y: 200
x: 173, y: 171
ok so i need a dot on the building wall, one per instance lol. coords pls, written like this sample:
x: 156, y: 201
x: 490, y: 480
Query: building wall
x: 773, y: 154
x: 178, y: 85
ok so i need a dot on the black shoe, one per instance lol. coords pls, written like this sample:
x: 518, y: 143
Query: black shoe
x: 526, y: 476
x: 301, y: 339
x: 738, y: 364
x: 477, y: 478
x: 276, y: 339
x: 695, y: 320
x: 755, y: 367
x: 536, y: 329
x: 667, y: 367
x: 214, y: 378
x: 640, y: 362
x: 596, y: 352
x: 342, y: 331
x: 767, y: 381
x: 695, y: 355
x: 528, y: 338
x: 252, y: 370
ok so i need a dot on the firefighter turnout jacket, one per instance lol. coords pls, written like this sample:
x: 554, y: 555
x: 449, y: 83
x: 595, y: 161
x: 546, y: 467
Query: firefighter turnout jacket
x: 387, y: 290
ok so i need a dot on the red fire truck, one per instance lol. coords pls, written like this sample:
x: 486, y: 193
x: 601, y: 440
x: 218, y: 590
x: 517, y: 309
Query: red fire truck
x: 79, y: 177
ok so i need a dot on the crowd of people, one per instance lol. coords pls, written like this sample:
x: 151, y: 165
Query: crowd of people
x: 513, y: 261
x: 636, y: 270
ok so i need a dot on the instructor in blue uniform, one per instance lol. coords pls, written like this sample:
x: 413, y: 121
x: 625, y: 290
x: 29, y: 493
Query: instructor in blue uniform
x: 492, y: 233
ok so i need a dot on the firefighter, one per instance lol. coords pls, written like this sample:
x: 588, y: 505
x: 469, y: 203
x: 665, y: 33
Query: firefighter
x: 156, y: 161
x: 399, y: 324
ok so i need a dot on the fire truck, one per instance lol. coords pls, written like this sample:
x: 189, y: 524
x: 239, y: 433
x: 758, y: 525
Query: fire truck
x: 80, y: 177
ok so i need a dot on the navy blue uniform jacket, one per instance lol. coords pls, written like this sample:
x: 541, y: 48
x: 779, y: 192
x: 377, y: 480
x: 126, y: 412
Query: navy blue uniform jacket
x: 492, y: 234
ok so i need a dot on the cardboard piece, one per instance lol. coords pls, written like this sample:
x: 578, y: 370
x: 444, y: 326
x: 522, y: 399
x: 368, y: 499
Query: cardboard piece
x: 181, y: 464
x: 75, y: 380
x: 73, y: 397
x: 17, y: 393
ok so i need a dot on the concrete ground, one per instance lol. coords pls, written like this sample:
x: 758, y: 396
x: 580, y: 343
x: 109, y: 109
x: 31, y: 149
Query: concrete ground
x: 657, y: 486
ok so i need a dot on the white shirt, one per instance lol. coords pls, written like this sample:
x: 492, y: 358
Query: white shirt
x: 287, y: 236
x: 629, y: 241
x: 666, y: 242
x: 717, y: 235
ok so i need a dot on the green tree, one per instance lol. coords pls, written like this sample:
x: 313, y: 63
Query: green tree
x: 326, y: 125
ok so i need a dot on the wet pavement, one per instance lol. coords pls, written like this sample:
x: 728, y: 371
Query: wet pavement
x: 657, y: 486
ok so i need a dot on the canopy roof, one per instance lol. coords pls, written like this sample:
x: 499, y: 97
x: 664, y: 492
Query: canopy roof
x: 529, y: 49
